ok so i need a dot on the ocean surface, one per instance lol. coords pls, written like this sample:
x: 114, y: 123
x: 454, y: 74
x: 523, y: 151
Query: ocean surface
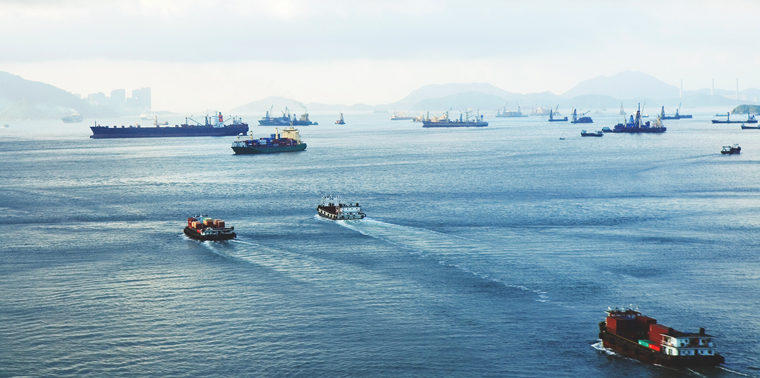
x: 486, y: 252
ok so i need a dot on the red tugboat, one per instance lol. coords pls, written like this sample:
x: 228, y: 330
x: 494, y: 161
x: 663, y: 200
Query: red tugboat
x: 204, y: 228
x: 631, y: 334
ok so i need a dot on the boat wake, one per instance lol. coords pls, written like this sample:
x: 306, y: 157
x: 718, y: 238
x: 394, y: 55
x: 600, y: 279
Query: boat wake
x: 734, y: 371
x: 464, y: 254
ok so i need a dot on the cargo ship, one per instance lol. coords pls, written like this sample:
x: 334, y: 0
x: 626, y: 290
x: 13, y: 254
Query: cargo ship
x: 217, y: 128
x: 287, y: 141
x: 582, y: 119
x: 204, y: 228
x: 462, y: 121
x: 401, y: 117
x: 745, y: 127
x: 286, y: 119
x: 504, y: 113
x: 750, y: 119
x: 332, y: 208
x: 631, y: 334
x: 636, y: 125
x: 676, y: 116
x: 552, y: 119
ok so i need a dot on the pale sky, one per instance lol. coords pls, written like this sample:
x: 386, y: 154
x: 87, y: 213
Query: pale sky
x: 221, y: 54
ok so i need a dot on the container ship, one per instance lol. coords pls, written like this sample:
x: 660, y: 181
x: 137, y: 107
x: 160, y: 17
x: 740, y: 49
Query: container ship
x: 215, y: 128
x: 287, y: 141
x: 631, y: 334
x: 204, y: 228
x: 332, y: 208
x: 636, y: 125
x: 286, y: 119
x: 462, y: 121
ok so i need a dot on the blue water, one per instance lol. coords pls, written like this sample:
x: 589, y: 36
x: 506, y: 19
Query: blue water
x: 486, y: 252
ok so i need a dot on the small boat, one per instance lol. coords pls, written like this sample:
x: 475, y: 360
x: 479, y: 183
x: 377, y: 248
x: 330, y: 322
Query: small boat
x: 332, y: 208
x: 340, y: 121
x: 585, y: 133
x: 204, y: 228
x: 731, y: 150
x: 582, y: 119
x: 629, y: 333
x: 750, y: 127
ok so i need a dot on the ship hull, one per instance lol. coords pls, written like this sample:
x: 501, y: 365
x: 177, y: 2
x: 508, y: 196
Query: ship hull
x: 454, y: 124
x: 248, y: 150
x: 99, y: 132
x: 192, y: 233
x: 629, y: 348
x: 558, y: 119
x: 745, y: 121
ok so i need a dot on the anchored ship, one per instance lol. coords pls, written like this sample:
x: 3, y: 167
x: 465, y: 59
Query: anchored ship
x: 204, y: 228
x: 731, y: 150
x: 217, y: 128
x: 332, y: 208
x: 400, y: 117
x: 462, y: 121
x: 286, y: 119
x: 750, y: 119
x: 676, y: 116
x: 552, y: 119
x: 636, y: 125
x: 582, y: 119
x: 509, y: 113
x: 287, y: 141
x: 340, y: 120
x: 631, y: 334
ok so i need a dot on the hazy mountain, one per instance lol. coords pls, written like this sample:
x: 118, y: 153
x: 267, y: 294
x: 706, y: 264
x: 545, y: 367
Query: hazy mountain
x: 274, y: 103
x: 422, y: 97
x: 625, y: 86
x: 26, y: 99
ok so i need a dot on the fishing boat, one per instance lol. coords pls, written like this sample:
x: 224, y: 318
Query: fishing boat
x: 582, y: 119
x: 629, y: 333
x: 340, y: 120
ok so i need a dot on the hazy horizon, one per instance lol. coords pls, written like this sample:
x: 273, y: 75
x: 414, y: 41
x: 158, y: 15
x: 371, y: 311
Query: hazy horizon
x: 203, y: 54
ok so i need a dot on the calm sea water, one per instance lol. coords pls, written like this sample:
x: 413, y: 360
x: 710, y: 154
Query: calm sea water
x: 486, y: 252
